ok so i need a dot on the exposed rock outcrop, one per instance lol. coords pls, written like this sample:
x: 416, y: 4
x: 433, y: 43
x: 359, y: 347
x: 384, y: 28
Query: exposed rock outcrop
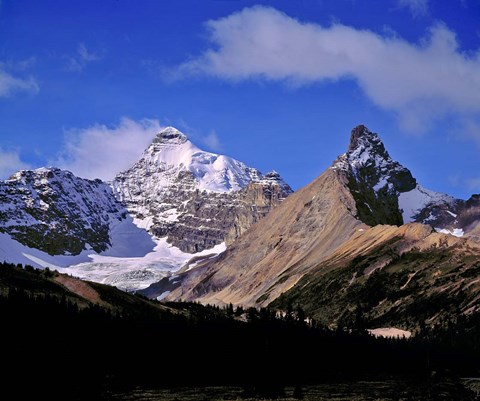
x: 54, y: 211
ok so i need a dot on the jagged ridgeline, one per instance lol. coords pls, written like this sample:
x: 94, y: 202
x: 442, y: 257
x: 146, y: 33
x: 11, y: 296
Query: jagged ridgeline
x: 364, y: 238
x: 194, y: 198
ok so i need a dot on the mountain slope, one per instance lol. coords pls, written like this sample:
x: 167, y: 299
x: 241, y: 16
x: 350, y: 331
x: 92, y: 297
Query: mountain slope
x: 387, y: 276
x: 352, y: 214
x: 306, y: 227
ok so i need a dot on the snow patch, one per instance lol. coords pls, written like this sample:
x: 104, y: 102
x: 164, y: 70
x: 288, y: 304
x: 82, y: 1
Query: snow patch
x: 457, y: 232
x: 163, y: 295
x: 135, y: 260
x: 411, y: 202
x: 380, y: 184
x: 451, y: 214
x: 135, y: 273
x: 390, y: 332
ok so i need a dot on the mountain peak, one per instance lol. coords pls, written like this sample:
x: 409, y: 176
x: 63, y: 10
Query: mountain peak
x: 170, y: 135
x: 358, y: 132
x: 374, y: 178
x: 361, y: 137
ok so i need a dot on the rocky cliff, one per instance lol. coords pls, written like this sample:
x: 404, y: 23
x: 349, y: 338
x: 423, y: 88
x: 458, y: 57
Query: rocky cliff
x: 54, y: 211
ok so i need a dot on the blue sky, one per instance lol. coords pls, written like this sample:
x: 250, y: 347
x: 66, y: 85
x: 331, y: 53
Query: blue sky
x: 279, y: 85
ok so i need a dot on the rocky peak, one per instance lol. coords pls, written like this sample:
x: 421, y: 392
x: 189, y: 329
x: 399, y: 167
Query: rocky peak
x: 362, y: 136
x: 273, y: 179
x: 371, y: 164
x: 171, y: 136
x: 366, y: 149
x: 272, y: 176
x: 374, y: 178
x: 193, y: 197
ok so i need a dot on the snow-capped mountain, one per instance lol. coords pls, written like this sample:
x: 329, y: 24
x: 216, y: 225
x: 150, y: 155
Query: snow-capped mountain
x: 117, y: 233
x: 339, y: 249
x: 193, y: 197
x: 56, y: 212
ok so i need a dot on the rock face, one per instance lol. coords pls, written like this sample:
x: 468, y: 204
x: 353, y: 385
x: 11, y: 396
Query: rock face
x: 196, y: 199
x: 57, y: 212
x: 339, y: 249
x: 385, y: 192
x: 375, y: 180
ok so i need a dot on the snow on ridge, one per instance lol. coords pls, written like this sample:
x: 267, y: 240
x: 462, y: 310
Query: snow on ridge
x: 211, y: 171
x: 456, y: 232
x: 411, y: 202
x: 340, y: 163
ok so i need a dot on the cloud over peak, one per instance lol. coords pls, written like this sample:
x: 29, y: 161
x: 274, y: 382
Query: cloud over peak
x: 101, y: 151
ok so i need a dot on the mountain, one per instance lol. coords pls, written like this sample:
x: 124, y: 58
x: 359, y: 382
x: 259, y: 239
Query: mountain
x: 341, y: 240
x: 385, y: 192
x: 194, y: 198
x: 56, y: 212
x: 175, y: 203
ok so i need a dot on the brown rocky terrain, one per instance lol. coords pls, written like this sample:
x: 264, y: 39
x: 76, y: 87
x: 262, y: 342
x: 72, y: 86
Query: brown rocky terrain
x: 405, y: 276
x: 308, y: 226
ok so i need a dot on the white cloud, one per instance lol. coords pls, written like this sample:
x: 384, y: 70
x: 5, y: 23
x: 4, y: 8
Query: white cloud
x: 419, y: 82
x: 100, y: 151
x: 416, y: 7
x: 10, y: 163
x: 212, y: 141
x: 10, y: 84
x: 79, y: 61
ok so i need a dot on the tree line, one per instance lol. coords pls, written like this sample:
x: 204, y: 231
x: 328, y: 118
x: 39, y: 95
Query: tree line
x: 57, y: 344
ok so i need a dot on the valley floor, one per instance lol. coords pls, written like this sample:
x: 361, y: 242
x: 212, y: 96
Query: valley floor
x: 394, y: 389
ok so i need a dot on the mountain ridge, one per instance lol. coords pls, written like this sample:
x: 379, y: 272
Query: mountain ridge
x: 178, y: 202
x: 355, y: 209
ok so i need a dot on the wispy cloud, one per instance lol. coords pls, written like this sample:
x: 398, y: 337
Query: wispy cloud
x: 10, y: 84
x: 101, y: 151
x: 419, y: 82
x: 212, y: 141
x: 81, y: 58
x: 417, y: 7
x: 10, y: 162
